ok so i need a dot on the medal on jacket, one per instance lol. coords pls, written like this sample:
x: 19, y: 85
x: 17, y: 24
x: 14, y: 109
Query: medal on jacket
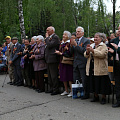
x: 14, y: 49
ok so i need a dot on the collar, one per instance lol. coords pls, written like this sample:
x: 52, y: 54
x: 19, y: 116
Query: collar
x: 80, y: 38
x: 15, y: 43
x: 33, y: 44
x: 93, y: 45
x: 68, y: 41
x: 9, y: 44
x: 51, y: 35
x: 40, y: 44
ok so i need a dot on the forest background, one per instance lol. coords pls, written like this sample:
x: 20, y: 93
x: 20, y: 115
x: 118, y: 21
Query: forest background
x: 62, y: 14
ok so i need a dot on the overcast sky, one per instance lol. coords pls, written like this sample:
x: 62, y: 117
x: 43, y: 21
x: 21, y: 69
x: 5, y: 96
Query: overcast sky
x: 109, y: 5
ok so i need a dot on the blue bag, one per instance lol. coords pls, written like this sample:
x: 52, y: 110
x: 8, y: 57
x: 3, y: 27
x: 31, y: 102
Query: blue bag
x: 22, y: 62
x: 77, y: 90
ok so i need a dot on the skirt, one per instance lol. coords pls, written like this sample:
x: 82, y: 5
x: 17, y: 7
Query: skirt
x: 100, y: 84
x: 66, y: 72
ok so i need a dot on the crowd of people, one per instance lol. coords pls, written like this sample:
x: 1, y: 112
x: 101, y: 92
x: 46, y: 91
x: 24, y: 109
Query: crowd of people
x: 72, y: 58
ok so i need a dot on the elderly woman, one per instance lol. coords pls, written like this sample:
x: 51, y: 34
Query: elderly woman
x: 97, y: 68
x: 66, y: 68
x: 39, y: 63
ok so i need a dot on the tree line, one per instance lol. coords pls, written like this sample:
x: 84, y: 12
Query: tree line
x: 62, y: 14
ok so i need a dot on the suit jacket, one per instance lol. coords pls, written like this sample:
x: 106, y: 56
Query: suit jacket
x: 116, y: 41
x: 78, y: 52
x: 14, y: 57
x: 52, y: 44
x: 8, y: 51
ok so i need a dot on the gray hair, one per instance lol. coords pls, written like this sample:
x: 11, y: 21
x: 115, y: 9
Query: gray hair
x: 68, y: 34
x: 34, y: 37
x: 101, y: 35
x: 40, y: 37
x: 52, y: 28
x: 104, y: 36
x: 82, y: 29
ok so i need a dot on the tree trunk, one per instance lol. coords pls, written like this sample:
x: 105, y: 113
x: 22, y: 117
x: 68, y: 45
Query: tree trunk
x: 21, y: 19
x: 114, y: 16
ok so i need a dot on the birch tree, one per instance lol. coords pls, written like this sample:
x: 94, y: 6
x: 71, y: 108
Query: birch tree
x: 21, y: 19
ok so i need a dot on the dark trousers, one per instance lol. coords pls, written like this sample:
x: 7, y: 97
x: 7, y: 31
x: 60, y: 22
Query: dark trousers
x: 52, y: 69
x: 18, y: 74
x: 26, y: 75
x: 39, y: 77
x: 80, y: 74
x: 31, y: 71
x: 117, y: 80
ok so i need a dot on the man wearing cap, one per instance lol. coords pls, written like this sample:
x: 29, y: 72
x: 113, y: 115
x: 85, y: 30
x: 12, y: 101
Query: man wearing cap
x: 15, y: 60
x: 8, y: 53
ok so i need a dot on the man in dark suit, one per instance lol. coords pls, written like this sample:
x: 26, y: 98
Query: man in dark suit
x: 79, y: 66
x: 52, y: 43
x: 114, y: 48
x: 15, y: 60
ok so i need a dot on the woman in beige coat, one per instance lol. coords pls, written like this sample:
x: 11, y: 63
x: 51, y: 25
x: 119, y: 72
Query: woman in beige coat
x: 97, y: 68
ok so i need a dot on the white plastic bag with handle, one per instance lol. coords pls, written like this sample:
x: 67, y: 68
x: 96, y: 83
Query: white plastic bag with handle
x: 77, y: 90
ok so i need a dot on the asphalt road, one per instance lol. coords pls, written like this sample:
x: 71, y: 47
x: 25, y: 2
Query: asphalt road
x: 21, y: 103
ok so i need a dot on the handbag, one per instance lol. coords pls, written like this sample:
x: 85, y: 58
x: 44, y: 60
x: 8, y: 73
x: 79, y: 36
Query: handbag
x: 22, y: 62
x: 77, y: 90
x: 67, y: 60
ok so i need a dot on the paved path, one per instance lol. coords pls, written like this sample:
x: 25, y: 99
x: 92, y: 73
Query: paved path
x: 21, y: 103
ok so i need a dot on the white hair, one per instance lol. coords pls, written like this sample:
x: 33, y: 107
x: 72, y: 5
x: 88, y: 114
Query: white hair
x: 40, y: 37
x: 82, y: 29
x: 68, y: 34
x: 52, y: 28
x: 34, y: 37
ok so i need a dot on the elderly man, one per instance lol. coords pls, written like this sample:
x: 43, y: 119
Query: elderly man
x: 8, y: 53
x: 115, y: 50
x: 52, y: 43
x: 79, y: 65
x: 15, y: 60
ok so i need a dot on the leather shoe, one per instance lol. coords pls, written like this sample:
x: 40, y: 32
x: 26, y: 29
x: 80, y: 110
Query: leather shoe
x: 54, y: 93
x: 95, y: 99
x: 116, y: 105
x: 85, y: 97
x: 40, y: 91
x: 20, y: 84
x: 9, y: 82
x: 103, y: 101
x: 50, y: 91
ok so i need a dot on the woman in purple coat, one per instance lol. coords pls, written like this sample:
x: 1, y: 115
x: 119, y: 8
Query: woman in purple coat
x: 39, y: 63
x: 66, y: 67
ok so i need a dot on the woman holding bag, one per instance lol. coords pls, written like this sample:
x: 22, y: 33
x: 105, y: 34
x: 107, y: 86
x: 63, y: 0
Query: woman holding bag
x: 66, y: 63
x: 97, y: 68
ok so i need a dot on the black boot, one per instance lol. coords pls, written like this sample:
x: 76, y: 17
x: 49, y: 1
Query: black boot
x: 117, y: 104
